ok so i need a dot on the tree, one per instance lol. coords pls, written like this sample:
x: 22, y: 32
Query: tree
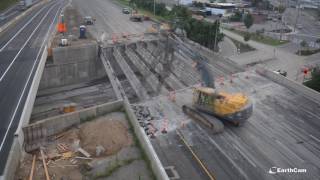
x: 303, y: 44
x: 236, y: 16
x: 248, y: 20
x: 246, y: 37
x: 255, y: 3
x: 281, y: 9
x: 198, y: 4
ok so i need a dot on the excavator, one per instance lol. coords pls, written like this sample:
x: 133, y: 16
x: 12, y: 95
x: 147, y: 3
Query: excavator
x: 209, y: 106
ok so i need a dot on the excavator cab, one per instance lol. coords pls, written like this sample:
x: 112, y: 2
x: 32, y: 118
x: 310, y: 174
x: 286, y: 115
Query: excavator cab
x: 234, y: 108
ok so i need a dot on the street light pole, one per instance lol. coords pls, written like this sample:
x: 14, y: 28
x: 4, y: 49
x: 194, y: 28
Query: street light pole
x: 216, y: 34
x: 297, y: 17
x: 154, y: 7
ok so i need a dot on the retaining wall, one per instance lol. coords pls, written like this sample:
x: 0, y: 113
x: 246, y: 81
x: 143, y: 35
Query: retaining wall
x: 73, y: 65
x: 74, y: 53
x: 297, y: 87
x: 155, y: 162
x: 57, y: 124
x: 72, y: 73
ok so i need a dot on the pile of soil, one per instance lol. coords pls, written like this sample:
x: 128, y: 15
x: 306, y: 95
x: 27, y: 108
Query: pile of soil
x: 112, y: 134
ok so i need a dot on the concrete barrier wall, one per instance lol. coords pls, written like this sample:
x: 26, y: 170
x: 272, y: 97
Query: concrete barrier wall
x: 75, y: 53
x: 12, y: 161
x: 297, y: 87
x: 155, y: 162
x: 72, y: 73
x: 58, y: 124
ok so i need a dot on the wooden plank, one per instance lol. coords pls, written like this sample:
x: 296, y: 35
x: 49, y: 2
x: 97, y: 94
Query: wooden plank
x: 32, y: 168
x: 44, y: 165
x: 84, y: 152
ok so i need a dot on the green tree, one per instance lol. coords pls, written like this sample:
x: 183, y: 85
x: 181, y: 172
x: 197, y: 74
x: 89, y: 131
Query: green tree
x: 281, y: 9
x: 236, y: 16
x: 246, y: 37
x: 248, y: 20
x: 256, y: 3
x: 314, y: 83
x: 304, y: 44
x: 198, y: 4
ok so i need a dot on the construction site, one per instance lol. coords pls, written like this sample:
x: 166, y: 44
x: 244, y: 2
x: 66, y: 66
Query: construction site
x: 110, y: 106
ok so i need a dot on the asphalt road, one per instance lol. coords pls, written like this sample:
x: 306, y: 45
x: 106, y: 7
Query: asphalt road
x: 9, y: 14
x: 310, y: 27
x: 283, y: 132
x: 21, y: 47
x: 109, y: 18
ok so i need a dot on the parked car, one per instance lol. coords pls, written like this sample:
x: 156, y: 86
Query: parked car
x: 88, y: 20
x: 126, y: 11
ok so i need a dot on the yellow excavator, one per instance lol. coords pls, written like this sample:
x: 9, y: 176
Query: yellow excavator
x: 209, y: 106
x: 212, y: 108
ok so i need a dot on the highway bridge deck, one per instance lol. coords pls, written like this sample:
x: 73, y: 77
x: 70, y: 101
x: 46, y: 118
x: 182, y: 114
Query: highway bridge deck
x: 282, y: 132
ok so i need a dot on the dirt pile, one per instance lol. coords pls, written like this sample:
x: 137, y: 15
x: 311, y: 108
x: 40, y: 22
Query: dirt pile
x: 111, y: 134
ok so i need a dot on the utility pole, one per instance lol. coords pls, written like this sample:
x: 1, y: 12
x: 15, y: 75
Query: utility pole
x: 297, y: 17
x: 154, y: 7
x: 216, y: 34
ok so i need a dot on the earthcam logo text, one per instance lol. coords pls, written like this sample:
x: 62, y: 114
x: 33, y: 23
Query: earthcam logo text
x: 275, y: 170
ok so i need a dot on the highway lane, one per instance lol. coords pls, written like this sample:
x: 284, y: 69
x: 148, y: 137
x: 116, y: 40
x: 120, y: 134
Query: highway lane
x: 16, y: 82
x: 11, y: 44
x: 9, y: 14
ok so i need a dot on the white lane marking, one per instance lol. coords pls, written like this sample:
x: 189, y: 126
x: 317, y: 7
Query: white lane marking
x: 25, y: 86
x: 314, y: 138
x: 24, y: 45
x: 23, y: 27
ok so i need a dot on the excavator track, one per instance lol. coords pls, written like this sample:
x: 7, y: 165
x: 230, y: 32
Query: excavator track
x: 214, y: 124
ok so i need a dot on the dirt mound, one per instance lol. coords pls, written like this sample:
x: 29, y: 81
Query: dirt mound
x: 112, y: 134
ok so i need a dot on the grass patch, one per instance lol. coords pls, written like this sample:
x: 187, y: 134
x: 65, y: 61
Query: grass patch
x: 4, y: 4
x: 242, y: 46
x: 260, y: 38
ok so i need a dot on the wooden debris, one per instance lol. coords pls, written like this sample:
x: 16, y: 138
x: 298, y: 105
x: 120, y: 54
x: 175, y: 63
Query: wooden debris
x: 44, y: 164
x: 53, y: 156
x: 62, y: 148
x: 84, y: 152
x: 73, y: 161
x: 86, y: 158
x: 67, y: 155
x: 32, y: 167
x: 58, y: 136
